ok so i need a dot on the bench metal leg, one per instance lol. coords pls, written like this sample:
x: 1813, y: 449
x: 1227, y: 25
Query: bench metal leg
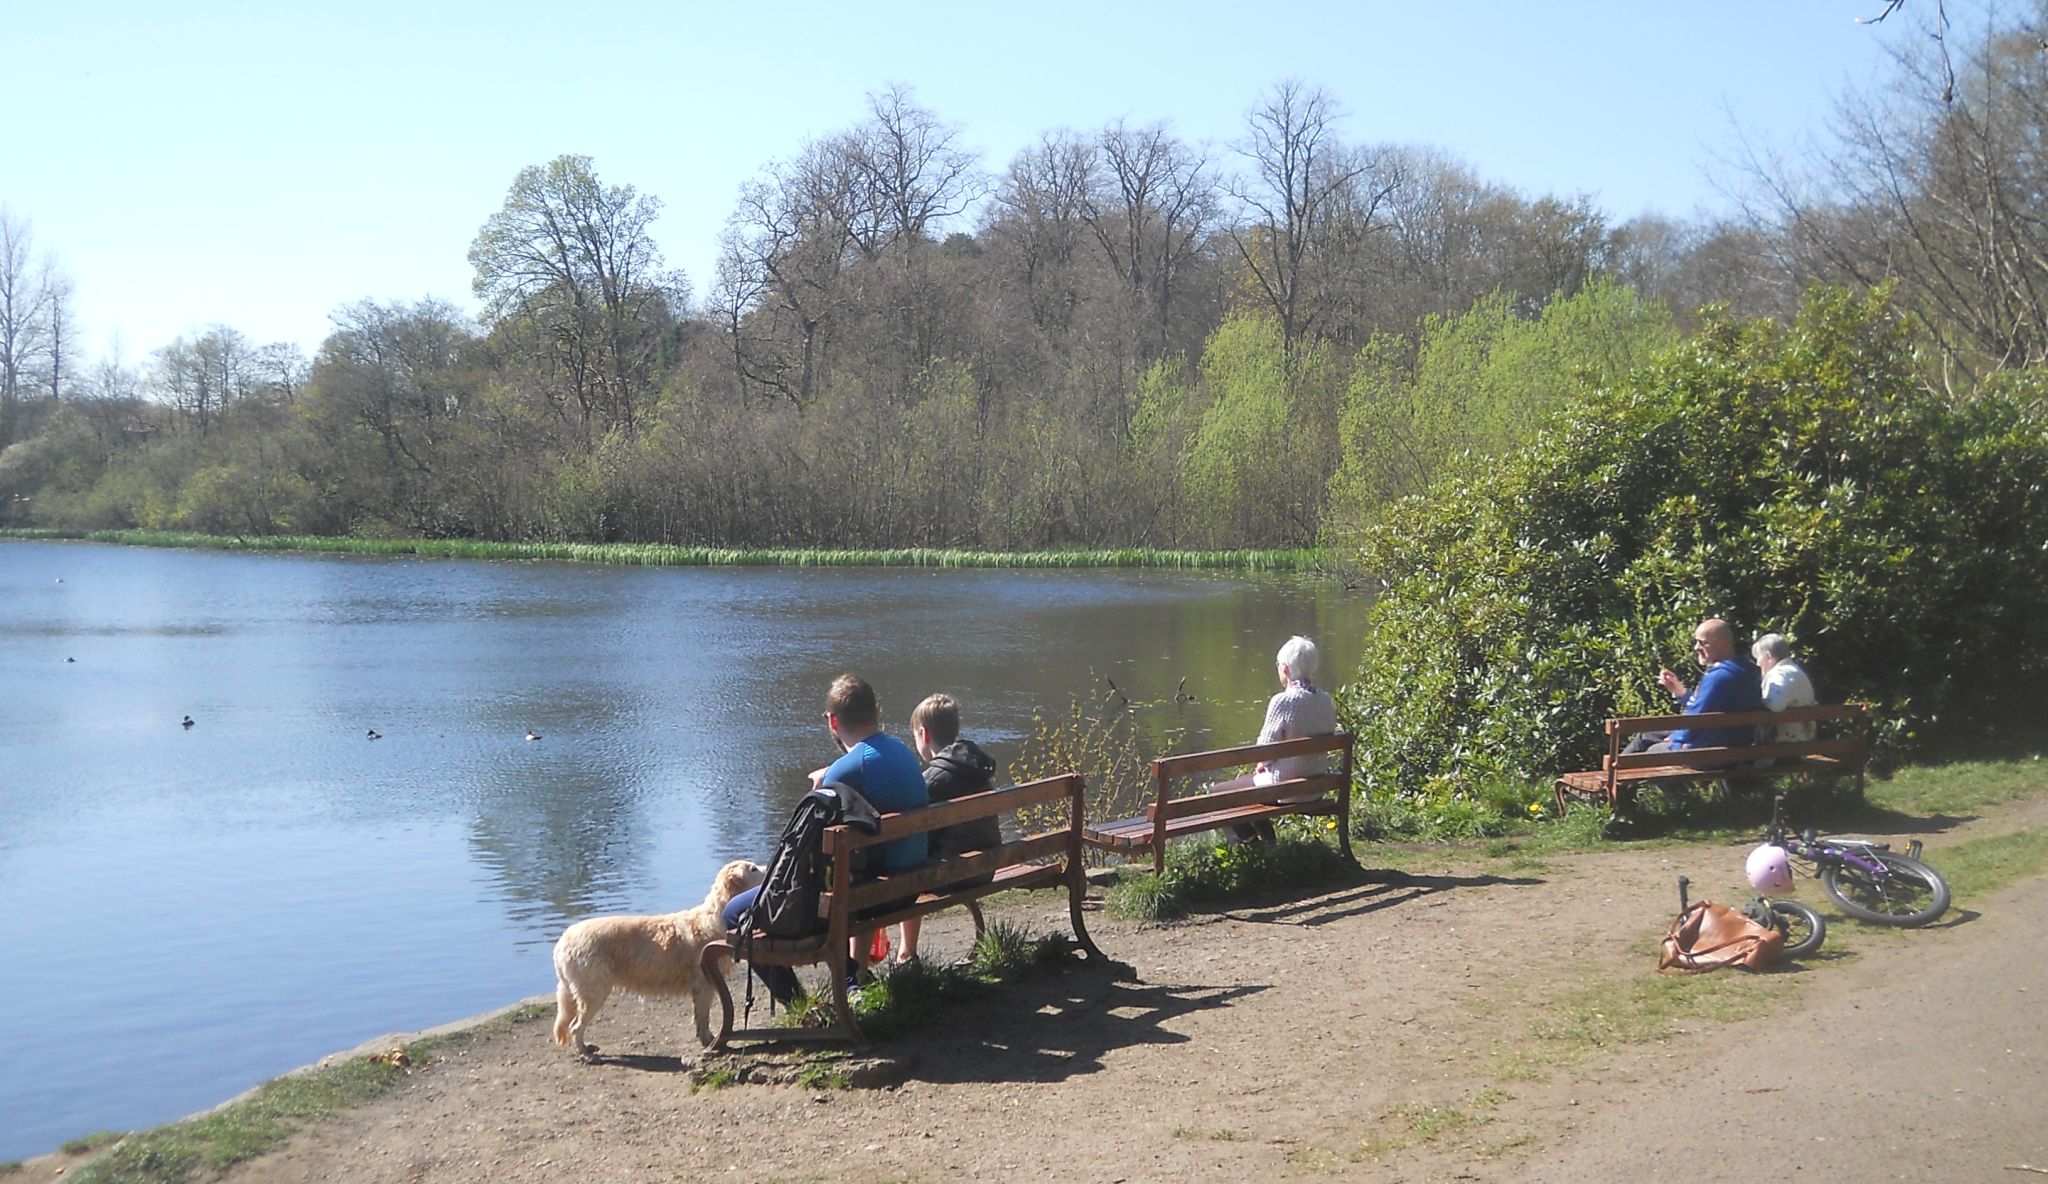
x: 707, y: 965
x: 843, y: 1028
x: 1077, y: 892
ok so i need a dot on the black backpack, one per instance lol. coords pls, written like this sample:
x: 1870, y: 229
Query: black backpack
x: 788, y: 903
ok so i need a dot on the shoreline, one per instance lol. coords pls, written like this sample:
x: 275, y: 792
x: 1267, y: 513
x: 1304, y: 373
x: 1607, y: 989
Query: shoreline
x: 1306, y: 561
x: 57, y: 1160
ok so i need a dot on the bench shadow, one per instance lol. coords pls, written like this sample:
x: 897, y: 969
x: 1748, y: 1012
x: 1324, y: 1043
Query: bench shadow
x: 1050, y: 1027
x: 1678, y: 816
x: 1354, y: 894
x: 642, y: 1062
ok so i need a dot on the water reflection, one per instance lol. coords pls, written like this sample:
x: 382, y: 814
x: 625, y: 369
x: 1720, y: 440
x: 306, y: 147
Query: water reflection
x: 304, y: 888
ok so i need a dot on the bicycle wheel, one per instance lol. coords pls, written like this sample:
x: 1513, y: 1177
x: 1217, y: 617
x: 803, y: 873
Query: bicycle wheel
x: 1909, y: 893
x: 1804, y: 929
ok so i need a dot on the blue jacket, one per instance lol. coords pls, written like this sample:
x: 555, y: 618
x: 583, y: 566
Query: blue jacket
x: 1731, y: 684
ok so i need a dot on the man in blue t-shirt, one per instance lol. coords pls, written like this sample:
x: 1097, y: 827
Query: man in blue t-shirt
x: 1728, y: 683
x: 881, y: 769
x: 876, y: 765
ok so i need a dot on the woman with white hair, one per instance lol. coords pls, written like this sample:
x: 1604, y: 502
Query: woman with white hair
x: 1785, y: 685
x: 1300, y: 709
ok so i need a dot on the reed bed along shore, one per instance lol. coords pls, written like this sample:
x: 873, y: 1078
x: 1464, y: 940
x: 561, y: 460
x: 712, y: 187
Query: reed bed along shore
x: 662, y: 555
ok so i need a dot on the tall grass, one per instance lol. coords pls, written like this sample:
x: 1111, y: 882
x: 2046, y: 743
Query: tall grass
x: 664, y: 555
x: 1102, y: 741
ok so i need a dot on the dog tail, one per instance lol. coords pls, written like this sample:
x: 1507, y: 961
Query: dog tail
x: 565, y: 1011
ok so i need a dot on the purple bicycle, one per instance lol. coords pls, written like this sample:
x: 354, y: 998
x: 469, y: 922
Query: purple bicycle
x: 1868, y: 880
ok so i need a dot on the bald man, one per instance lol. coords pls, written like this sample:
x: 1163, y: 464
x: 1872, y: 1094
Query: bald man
x: 1727, y: 683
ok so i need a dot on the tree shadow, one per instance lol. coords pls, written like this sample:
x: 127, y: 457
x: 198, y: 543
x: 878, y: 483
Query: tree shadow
x: 1951, y: 919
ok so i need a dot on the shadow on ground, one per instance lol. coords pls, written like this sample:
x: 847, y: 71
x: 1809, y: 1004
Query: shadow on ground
x: 1363, y: 892
x: 1060, y: 1023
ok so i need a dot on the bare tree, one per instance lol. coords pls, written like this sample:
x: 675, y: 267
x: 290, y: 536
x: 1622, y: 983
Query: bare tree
x: 1150, y: 214
x: 60, y: 328
x: 1937, y: 183
x: 843, y: 228
x: 786, y: 251
x: 1039, y: 213
x: 1302, y: 177
x: 912, y: 173
x: 24, y: 320
x: 282, y: 368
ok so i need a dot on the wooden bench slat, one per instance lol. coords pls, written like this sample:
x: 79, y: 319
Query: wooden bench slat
x: 874, y: 890
x: 1215, y: 820
x: 1620, y: 772
x: 1036, y: 875
x: 1320, y: 785
x: 967, y: 808
x: 1734, y: 758
x: 1247, y: 754
x: 1123, y: 828
x: 1169, y: 816
x: 1630, y: 725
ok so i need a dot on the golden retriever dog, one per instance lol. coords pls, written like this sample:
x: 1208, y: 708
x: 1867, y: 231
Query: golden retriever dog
x: 646, y: 956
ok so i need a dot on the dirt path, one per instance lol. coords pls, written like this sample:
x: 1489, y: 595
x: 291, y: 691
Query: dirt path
x: 1446, y: 1025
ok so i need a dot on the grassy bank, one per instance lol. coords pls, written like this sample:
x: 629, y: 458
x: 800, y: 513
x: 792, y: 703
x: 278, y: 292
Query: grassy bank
x: 244, y: 1129
x: 661, y: 555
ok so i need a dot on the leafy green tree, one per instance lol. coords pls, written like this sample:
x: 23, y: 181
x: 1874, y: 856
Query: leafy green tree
x: 1478, y: 384
x: 1798, y: 479
x: 1254, y: 470
x: 569, y: 272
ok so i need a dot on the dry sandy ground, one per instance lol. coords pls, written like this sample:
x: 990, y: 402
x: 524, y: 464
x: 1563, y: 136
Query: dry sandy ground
x: 1387, y: 1030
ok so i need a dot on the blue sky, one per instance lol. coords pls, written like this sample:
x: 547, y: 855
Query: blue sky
x: 258, y: 164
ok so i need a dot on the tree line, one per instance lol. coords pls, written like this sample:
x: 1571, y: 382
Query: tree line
x: 1119, y: 337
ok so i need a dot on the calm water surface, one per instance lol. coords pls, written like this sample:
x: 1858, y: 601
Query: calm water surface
x: 185, y: 913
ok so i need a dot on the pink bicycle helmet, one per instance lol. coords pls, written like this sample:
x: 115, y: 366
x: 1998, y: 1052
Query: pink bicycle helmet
x: 1769, y: 871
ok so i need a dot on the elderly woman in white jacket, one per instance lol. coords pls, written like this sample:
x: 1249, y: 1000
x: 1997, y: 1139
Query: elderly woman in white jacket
x: 1300, y: 709
x: 1785, y: 685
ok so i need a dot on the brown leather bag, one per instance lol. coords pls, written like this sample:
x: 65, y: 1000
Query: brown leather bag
x: 1708, y: 936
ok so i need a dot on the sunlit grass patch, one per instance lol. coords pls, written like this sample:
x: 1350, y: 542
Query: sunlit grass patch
x: 1649, y: 1006
x: 1960, y: 787
x: 219, y: 1140
x: 1144, y: 896
x: 1412, y: 1124
x: 1977, y: 868
x: 1211, y: 869
x: 92, y: 1142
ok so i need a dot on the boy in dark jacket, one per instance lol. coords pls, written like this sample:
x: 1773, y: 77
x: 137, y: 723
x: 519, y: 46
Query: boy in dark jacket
x: 953, y: 768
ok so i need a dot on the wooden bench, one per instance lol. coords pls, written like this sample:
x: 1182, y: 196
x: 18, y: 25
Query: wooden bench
x: 1169, y: 817
x: 1049, y: 859
x: 1615, y: 781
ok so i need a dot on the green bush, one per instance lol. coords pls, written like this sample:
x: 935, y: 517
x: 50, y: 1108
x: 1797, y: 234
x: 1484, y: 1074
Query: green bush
x: 1798, y: 479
